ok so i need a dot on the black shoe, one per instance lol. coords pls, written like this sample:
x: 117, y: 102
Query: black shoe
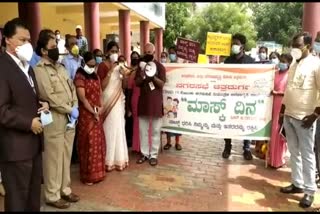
x: 247, y: 155
x: 167, y: 146
x: 226, y: 152
x: 306, y: 201
x: 142, y: 159
x: 291, y: 189
x: 153, y: 161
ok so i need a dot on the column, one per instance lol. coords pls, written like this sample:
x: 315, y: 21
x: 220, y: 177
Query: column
x: 311, y: 18
x: 144, y: 35
x: 159, y: 42
x: 124, y: 34
x: 30, y: 13
x: 92, y: 24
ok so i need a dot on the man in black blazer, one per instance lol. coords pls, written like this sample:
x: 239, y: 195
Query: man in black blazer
x: 21, y: 139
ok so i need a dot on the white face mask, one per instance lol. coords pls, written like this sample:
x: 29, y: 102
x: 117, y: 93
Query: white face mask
x: 58, y: 36
x: 114, y: 57
x: 24, y: 52
x: 275, y: 61
x: 316, y: 47
x: 296, y: 53
x: 88, y: 70
x: 163, y: 60
x: 263, y: 56
x: 235, y: 49
x: 46, y: 118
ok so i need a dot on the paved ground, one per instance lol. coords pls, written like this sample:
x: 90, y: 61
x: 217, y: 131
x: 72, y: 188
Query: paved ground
x: 194, y: 179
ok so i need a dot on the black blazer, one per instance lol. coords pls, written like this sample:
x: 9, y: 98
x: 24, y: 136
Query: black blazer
x: 18, y: 106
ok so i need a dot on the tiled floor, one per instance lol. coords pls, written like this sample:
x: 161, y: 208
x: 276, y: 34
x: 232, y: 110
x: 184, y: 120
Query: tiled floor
x: 194, y: 179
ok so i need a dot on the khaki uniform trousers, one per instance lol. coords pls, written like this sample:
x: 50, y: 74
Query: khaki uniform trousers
x: 58, y: 143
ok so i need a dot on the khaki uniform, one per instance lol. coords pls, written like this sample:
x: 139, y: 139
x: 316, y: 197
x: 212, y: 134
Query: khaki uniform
x: 56, y: 88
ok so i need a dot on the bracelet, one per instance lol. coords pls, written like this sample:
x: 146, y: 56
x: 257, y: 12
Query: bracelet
x: 315, y: 114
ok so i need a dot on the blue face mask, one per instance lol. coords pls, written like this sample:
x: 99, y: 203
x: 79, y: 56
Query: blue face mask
x: 46, y: 118
x: 172, y: 57
x: 283, y: 66
x: 316, y: 47
x: 98, y: 59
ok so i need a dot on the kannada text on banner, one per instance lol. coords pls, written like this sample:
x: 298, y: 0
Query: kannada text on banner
x: 220, y: 101
x: 218, y: 44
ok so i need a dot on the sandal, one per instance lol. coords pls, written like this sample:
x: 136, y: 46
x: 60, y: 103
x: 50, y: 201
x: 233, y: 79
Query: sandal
x: 178, y: 146
x: 167, y: 146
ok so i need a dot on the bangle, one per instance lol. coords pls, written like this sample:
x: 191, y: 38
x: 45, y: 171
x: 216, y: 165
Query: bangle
x: 316, y: 114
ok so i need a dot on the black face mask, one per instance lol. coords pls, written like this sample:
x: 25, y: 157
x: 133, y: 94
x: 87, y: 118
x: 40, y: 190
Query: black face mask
x: 134, y: 62
x: 53, y: 54
x: 148, y: 57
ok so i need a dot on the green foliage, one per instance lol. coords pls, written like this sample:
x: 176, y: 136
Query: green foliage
x: 277, y: 21
x: 222, y: 17
x: 177, y: 14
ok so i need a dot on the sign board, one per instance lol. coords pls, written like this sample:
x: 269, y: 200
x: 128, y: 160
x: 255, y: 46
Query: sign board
x: 219, y: 100
x: 188, y: 49
x: 203, y: 59
x: 218, y: 44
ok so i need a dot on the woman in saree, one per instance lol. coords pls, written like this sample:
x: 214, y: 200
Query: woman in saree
x: 113, y: 80
x: 91, y: 141
x: 278, y: 143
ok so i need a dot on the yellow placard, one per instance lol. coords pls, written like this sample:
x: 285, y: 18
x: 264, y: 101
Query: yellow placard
x: 203, y: 59
x: 218, y: 44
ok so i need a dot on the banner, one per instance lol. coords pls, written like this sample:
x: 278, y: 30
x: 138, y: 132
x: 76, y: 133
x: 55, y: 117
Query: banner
x: 219, y: 100
x: 218, y: 44
x: 188, y: 49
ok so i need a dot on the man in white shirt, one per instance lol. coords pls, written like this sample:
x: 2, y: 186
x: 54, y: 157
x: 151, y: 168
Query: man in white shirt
x: 302, y: 108
x: 61, y: 45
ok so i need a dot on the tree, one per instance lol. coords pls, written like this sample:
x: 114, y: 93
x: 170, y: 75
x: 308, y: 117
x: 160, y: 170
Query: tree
x: 177, y: 15
x: 222, y: 17
x: 277, y: 21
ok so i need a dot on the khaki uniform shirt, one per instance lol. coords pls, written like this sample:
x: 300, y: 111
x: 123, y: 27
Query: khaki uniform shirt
x: 55, y: 86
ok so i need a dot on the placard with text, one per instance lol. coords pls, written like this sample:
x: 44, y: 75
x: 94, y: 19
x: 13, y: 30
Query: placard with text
x: 188, y: 49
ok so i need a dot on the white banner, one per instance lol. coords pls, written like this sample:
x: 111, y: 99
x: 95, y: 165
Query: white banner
x: 220, y: 101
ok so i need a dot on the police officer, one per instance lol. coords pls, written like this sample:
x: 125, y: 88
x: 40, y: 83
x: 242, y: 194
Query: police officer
x: 56, y: 88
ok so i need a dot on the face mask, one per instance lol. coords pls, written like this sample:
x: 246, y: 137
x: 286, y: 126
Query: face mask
x: 134, y: 62
x: 148, y: 57
x: 24, y: 52
x: 275, y: 61
x: 98, y: 59
x: 114, y: 57
x: 163, y: 60
x: 296, y: 53
x: 53, y: 54
x: 75, y: 50
x: 316, y: 47
x: 46, y: 117
x: 263, y: 56
x: 235, y: 49
x: 88, y: 70
x: 172, y: 57
x: 58, y: 36
x: 283, y: 66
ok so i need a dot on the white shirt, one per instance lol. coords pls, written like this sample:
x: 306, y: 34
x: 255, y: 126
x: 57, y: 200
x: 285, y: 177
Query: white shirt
x: 24, y: 66
x: 61, y: 46
x: 302, y: 93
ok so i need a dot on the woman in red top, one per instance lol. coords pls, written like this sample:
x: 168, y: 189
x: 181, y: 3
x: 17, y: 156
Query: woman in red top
x: 91, y: 138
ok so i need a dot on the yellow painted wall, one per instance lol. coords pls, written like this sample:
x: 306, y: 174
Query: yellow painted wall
x: 8, y: 11
x: 65, y: 18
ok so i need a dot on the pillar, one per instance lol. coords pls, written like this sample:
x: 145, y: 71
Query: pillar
x: 124, y: 34
x: 159, y: 42
x: 311, y: 18
x: 30, y: 13
x: 144, y: 35
x: 92, y: 24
